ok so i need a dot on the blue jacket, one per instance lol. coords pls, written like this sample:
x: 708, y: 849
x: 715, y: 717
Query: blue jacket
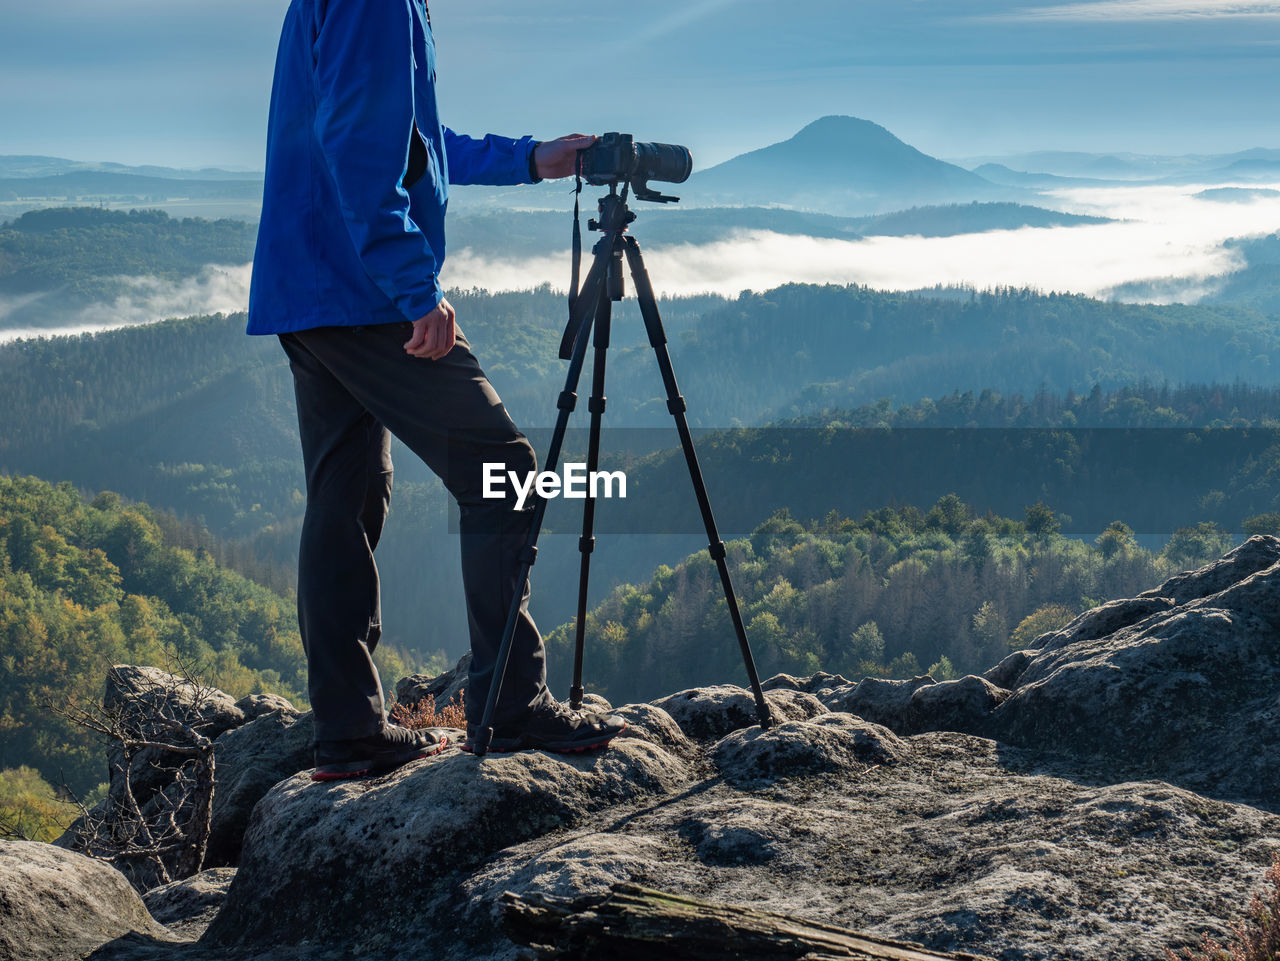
x: 352, y: 228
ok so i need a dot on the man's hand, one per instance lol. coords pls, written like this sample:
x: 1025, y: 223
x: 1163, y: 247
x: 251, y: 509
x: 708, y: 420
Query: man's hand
x: 558, y: 158
x: 433, y: 333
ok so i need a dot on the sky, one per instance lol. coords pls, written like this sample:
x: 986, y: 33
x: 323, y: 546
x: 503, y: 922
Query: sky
x: 178, y: 83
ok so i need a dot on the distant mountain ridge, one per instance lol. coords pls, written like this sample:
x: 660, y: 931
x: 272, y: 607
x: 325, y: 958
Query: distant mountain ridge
x: 97, y: 184
x: 34, y: 165
x: 842, y: 165
x: 1045, y: 165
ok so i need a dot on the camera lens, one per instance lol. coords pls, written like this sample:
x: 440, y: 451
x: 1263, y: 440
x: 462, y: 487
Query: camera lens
x: 666, y: 162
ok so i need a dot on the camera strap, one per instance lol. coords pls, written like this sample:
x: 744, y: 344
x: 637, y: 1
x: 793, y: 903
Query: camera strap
x: 577, y: 234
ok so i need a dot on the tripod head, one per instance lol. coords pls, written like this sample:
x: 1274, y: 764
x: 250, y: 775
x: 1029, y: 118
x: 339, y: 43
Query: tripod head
x: 608, y: 209
x: 614, y: 216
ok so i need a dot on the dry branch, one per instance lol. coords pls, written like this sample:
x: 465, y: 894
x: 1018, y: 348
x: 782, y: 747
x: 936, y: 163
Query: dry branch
x: 163, y: 835
x: 635, y: 924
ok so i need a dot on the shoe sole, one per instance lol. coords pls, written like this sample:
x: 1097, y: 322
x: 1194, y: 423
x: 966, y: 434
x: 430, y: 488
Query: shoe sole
x: 552, y: 748
x: 358, y: 769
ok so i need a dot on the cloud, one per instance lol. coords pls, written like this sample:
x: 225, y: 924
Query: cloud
x: 1164, y: 237
x: 215, y: 289
x: 685, y: 15
x: 1165, y: 245
x: 1113, y: 10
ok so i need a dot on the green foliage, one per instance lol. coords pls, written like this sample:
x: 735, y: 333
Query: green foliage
x: 83, y: 586
x: 1268, y: 523
x: 865, y: 653
x: 876, y: 597
x: 1050, y: 617
x: 76, y: 248
x: 903, y: 667
x: 990, y: 631
x: 1041, y: 521
x: 30, y: 808
x: 1116, y: 539
x: 1190, y: 545
x: 943, y: 670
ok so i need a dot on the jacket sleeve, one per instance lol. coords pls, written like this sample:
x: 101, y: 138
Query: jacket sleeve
x: 364, y: 112
x: 496, y: 161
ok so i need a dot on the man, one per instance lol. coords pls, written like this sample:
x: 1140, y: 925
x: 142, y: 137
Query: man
x: 346, y: 273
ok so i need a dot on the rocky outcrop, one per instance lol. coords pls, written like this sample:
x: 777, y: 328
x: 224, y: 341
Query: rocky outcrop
x: 186, y: 907
x: 1043, y: 811
x: 1181, y: 683
x: 943, y: 839
x: 877, y: 699
x: 1188, y: 692
x: 384, y: 857
x: 254, y: 706
x: 948, y: 840
x: 709, y: 713
x: 250, y: 761
x: 56, y: 905
x: 145, y: 698
x: 258, y: 741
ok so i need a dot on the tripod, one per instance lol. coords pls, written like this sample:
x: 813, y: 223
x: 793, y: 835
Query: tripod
x: 592, y: 307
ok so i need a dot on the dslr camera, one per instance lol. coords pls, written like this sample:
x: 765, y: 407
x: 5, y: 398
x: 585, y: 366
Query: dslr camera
x: 617, y: 157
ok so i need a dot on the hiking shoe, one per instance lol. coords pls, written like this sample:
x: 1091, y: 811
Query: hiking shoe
x: 554, y: 728
x: 502, y: 743
x: 375, y: 754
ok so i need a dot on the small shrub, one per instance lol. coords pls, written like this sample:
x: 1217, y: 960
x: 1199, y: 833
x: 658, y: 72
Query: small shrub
x: 1050, y: 617
x: 1257, y: 935
x: 424, y: 714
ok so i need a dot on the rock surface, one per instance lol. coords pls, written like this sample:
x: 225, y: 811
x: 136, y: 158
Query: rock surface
x: 945, y: 839
x: 186, y: 907
x: 408, y: 835
x: 709, y: 713
x: 250, y: 761
x: 1187, y: 693
x: 1181, y: 683
x: 56, y: 905
x: 1045, y: 827
x: 959, y: 843
x: 254, y: 706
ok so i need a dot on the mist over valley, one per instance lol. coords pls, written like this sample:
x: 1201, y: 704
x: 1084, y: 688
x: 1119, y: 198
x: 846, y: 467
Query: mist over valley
x: 843, y: 202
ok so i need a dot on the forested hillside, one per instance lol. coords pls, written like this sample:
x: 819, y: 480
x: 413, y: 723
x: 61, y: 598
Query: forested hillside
x: 896, y: 593
x: 84, y: 585
x: 44, y: 249
x: 54, y: 262
x: 197, y: 418
x: 1258, y: 284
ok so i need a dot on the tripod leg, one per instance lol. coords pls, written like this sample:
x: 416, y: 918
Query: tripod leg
x: 676, y: 405
x: 587, y: 542
x: 565, y: 403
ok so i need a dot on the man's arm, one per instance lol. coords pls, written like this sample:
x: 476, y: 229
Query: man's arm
x: 433, y: 333
x: 364, y: 58
x: 502, y: 161
x: 494, y: 161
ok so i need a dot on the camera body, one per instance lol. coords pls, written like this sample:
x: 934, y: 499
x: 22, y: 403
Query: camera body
x: 617, y: 157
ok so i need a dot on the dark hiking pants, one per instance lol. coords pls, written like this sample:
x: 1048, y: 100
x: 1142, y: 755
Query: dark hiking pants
x: 355, y: 387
